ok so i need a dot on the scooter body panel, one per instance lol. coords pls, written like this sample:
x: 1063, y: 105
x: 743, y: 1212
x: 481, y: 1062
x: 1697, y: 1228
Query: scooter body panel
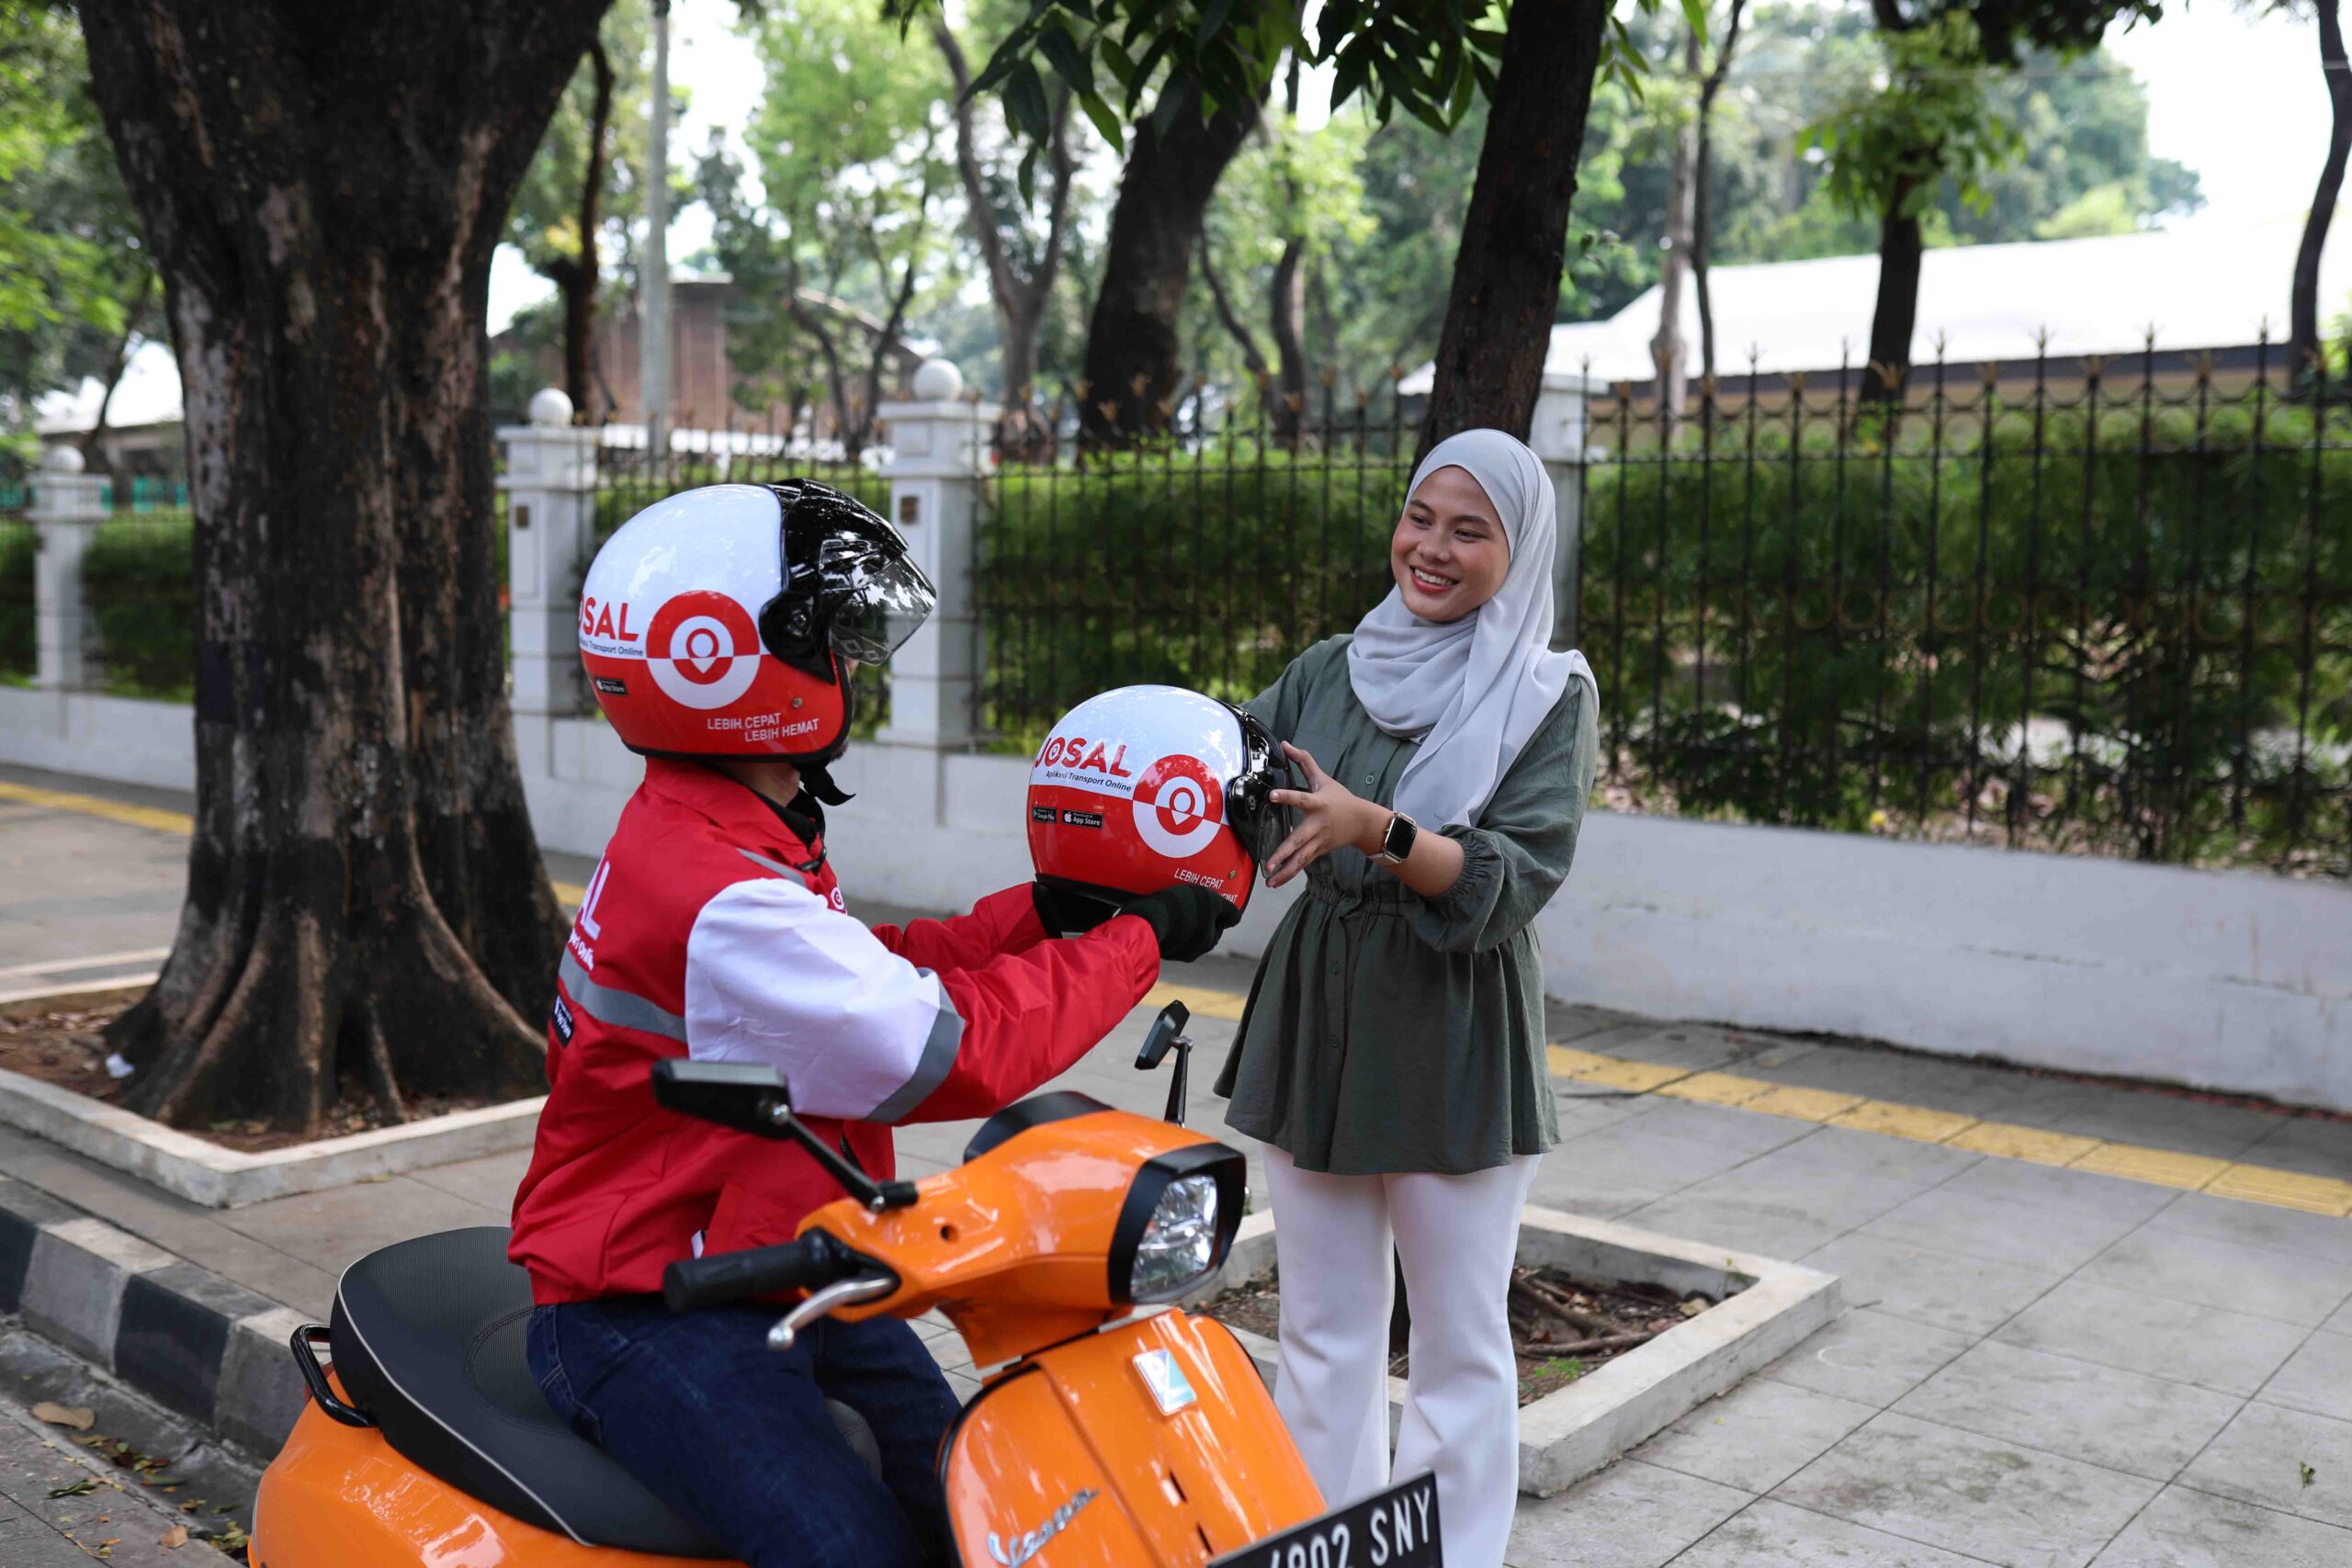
x: 339, y: 1496
x: 1154, y: 1442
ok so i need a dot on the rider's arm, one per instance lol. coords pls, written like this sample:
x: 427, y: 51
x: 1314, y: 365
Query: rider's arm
x: 775, y: 975
x: 1001, y: 922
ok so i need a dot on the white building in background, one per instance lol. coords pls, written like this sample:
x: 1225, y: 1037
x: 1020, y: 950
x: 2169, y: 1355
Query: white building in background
x: 2205, y: 288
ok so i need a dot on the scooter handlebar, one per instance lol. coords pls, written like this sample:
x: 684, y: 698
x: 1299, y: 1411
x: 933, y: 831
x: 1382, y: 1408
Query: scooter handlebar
x: 729, y: 1279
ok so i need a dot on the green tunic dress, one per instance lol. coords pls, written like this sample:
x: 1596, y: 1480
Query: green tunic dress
x: 1388, y: 1031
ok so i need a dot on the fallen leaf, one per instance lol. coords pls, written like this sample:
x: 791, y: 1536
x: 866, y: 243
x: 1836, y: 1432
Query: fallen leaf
x: 175, y: 1536
x: 2310, y: 1474
x: 77, y: 1417
x: 1694, y: 1306
x: 79, y: 1488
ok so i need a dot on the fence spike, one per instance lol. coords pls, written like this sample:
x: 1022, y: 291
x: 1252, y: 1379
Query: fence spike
x: 1138, y: 381
x: 1328, y: 375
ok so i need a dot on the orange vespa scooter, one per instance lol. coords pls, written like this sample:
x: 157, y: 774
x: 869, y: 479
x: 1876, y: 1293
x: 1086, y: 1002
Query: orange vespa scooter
x: 1104, y: 1437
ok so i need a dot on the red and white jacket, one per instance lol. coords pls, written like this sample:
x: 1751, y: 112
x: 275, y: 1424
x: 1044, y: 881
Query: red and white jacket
x: 713, y: 930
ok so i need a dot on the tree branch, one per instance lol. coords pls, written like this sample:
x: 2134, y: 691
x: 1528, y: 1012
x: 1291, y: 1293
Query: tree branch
x: 1232, y: 320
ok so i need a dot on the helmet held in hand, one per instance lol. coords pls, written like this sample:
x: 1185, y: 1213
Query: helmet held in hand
x: 1149, y: 787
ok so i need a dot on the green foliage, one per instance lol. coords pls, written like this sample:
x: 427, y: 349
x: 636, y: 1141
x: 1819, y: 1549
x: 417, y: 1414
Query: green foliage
x: 853, y: 140
x: 1820, y: 632
x: 17, y: 630
x: 544, y: 221
x: 1889, y: 150
x: 72, y: 266
x: 1209, y: 569
x: 139, y: 575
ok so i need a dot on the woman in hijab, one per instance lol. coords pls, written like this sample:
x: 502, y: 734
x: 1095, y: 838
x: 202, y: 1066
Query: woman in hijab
x: 1392, y: 1054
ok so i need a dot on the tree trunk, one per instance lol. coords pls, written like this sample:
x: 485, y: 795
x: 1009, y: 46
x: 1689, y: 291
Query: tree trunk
x: 94, y: 442
x: 1667, y: 352
x: 1131, y: 348
x: 1514, y: 238
x: 1702, y: 210
x: 1896, y: 315
x: 1019, y: 302
x: 1289, y: 310
x: 321, y: 189
x: 579, y: 291
x: 2303, y: 343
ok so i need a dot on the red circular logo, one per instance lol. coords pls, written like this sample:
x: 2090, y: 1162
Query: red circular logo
x: 703, y: 649
x: 1179, y: 805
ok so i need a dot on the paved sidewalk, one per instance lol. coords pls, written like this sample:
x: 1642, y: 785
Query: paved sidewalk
x: 104, y: 1514
x: 2043, y: 1365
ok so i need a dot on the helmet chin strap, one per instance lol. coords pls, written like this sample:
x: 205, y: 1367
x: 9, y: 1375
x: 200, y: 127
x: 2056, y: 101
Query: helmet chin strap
x: 817, y: 778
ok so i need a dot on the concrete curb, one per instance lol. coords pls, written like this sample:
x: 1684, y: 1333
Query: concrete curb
x: 227, y: 1178
x: 194, y: 1343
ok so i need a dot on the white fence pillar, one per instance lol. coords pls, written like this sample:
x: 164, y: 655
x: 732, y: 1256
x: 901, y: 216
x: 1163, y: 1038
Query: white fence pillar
x: 551, y: 485
x: 940, y: 446
x: 68, y: 505
x: 1558, y: 436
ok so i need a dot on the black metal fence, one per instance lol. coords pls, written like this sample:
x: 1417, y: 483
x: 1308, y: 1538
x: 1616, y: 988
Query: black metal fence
x: 1208, y: 559
x: 2106, y: 611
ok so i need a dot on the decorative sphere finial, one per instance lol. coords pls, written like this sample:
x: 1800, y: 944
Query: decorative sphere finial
x: 937, y: 381
x: 551, y: 407
x: 62, y: 460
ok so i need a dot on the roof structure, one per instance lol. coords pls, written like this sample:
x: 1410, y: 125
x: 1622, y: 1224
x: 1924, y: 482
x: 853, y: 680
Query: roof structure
x: 2201, y: 286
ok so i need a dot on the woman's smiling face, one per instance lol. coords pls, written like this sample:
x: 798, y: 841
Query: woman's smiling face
x: 1449, y: 554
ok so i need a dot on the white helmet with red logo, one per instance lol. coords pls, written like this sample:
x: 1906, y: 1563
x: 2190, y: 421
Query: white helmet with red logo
x: 1148, y: 786
x: 723, y: 622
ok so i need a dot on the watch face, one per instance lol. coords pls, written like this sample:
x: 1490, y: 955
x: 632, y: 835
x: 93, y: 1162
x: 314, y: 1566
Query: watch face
x: 1398, y: 841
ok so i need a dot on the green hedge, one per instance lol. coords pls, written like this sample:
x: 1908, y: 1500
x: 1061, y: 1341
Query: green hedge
x: 139, y: 576
x: 1208, y: 569
x: 2183, y: 605
x: 17, y: 638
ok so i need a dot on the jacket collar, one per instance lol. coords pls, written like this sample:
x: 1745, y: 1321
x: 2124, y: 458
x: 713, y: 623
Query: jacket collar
x: 741, y: 813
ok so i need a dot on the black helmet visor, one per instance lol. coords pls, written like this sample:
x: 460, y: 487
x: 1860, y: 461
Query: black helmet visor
x: 850, y: 585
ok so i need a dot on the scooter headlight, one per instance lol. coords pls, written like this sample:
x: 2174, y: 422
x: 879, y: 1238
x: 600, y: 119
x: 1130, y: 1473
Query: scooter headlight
x: 1179, y: 1245
x: 1177, y: 1223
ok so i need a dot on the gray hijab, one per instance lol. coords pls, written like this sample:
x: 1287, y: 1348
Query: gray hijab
x: 1471, y: 691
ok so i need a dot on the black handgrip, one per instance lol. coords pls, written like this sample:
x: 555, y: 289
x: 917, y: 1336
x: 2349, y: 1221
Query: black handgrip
x: 306, y: 1361
x: 726, y: 1279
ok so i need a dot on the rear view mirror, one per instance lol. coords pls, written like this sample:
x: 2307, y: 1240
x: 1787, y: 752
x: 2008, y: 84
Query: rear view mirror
x: 753, y: 1100
x: 746, y: 1096
x: 1165, y: 1030
x: 1168, y: 1035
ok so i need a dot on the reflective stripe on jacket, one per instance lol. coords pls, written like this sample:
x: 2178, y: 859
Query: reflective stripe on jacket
x: 713, y: 929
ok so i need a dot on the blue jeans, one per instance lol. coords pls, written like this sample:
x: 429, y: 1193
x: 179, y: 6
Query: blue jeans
x: 736, y: 1437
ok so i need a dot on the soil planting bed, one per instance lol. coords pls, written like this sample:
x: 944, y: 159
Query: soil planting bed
x: 1562, y: 1327
x: 63, y: 1044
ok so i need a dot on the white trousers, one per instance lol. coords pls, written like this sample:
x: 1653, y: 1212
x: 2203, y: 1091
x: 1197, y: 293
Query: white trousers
x: 1456, y: 1238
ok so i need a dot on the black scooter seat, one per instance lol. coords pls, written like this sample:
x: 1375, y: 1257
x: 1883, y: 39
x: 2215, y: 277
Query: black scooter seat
x: 428, y: 1336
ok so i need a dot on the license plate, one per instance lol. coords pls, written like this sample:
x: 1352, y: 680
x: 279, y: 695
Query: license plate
x: 1395, y: 1528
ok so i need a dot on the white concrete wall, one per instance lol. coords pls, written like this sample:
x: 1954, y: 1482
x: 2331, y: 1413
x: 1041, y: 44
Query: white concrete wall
x: 2233, y: 980
x: 126, y: 739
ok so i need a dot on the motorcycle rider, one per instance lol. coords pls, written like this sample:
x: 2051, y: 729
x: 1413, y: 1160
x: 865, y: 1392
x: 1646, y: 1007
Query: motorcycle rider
x: 721, y: 629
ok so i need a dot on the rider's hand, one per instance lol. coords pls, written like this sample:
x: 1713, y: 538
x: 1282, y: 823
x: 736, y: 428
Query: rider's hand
x: 1186, y: 919
x: 1330, y: 817
x: 1062, y: 910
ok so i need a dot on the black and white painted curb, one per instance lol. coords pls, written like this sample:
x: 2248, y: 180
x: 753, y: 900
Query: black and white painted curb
x: 183, y: 1336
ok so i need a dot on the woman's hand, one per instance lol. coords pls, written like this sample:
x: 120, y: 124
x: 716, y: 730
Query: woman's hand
x: 1329, y: 818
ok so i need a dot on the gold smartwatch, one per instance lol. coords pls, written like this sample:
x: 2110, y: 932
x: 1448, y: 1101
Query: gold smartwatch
x: 1397, y: 841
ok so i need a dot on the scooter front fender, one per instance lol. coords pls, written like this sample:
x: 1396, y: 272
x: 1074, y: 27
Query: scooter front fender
x: 340, y: 1497
x: 1151, y: 1445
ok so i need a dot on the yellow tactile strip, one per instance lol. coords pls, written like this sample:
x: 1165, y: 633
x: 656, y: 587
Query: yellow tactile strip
x: 2251, y: 1183
x: 570, y: 893
x: 2164, y: 1168
x: 98, y: 805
